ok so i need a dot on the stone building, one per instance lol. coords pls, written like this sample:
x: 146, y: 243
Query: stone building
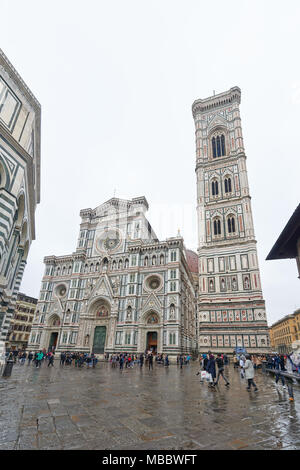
x: 231, y: 308
x: 20, y: 119
x: 21, y: 323
x: 285, y: 332
x: 121, y: 290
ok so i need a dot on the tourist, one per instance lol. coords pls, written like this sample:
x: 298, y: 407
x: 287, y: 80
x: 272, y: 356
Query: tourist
x: 62, y: 358
x: 141, y: 359
x: 211, y: 369
x: 23, y: 358
x: 220, y: 364
x: 181, y: 361
x: 39, y: 358
x: 30, y: 357
x: 167, y: 360
x: 249, y: 373
x: 150, y: 361
x: 242, y: 363
x: 51, y: 359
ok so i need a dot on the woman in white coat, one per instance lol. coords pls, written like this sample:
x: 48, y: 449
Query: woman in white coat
x: 249, y: 373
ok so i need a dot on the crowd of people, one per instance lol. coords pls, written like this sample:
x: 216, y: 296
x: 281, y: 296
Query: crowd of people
x: 212, y: 368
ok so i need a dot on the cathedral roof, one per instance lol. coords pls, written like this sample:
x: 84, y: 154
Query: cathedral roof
x: 192, y: 260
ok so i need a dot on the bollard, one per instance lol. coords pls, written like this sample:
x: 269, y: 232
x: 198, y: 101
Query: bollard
x: 8, y: 368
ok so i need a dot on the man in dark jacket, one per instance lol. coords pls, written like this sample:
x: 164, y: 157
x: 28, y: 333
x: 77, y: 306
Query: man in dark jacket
x: 220, y: 364
x: 211, y: 369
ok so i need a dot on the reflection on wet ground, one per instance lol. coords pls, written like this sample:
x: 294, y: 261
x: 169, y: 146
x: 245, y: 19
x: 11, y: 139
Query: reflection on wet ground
x: 163, y: 409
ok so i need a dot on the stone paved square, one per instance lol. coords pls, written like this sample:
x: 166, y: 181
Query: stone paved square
x: 138, y: 409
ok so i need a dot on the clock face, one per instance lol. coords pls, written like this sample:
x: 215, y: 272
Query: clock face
x: 109, y: 240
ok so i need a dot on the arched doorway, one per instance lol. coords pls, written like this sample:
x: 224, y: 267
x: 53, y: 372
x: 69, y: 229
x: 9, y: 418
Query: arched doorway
x: 99, y: 339
x: 151, y: 341
x: 53, y: 341
x: 100, y: 310
x: 151, y: 335
x: 54, y: 324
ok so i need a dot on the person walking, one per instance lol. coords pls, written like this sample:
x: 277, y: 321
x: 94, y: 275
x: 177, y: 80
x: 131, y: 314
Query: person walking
x: 211, y: 369
x: 30, y: 357
x: 249, y: 373
x: 39, y: 359
x: 23, y: 358
x: 150, y: 361
x: 181, y: 361
x: 141, y: 360
x: 220, y: 364
x: 51, y: 360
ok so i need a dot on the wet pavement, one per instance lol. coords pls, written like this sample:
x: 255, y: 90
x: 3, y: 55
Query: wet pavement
x: 164, y: 409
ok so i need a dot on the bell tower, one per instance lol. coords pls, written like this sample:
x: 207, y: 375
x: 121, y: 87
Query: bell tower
x: 230, y: 301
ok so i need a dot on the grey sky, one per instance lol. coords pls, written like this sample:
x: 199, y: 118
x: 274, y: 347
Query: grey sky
x: 116, y: 81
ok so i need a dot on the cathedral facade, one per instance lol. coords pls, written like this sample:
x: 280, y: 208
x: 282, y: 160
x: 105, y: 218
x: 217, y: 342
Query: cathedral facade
x: 231, y: 309
x: 121, y: 290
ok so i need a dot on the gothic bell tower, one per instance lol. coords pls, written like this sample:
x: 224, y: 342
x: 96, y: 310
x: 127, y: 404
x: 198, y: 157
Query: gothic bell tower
x: 230, y: 301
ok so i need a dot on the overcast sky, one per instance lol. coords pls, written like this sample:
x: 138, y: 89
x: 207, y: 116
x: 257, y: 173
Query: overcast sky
x: 116, y: 81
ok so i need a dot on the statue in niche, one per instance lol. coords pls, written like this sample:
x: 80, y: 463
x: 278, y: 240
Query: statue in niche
x: 129, y: 313
x: 246, y: 283
x: 86, y: 340
x: 234, y: 285
x: 211, y: 285
x: 115, y: 285
x: 172, y: 312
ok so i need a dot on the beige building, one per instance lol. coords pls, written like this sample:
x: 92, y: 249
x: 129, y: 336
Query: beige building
x: 285, y: 332
x: 20, y: 119
x: 21, y: 323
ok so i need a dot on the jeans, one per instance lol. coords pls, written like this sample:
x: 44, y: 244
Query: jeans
x: 279, y: 376
x: 251, y: 382
x: 221, y: 373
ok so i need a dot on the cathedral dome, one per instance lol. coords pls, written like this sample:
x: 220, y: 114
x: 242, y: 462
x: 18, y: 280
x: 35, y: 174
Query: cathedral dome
x: 192, y: 260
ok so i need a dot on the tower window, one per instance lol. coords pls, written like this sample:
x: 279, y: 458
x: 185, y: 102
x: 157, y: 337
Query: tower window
x: 215, y: 188
x: 217, y: 227
x: 218, y: 146
x: 227, y: 185
x: 231, y: 225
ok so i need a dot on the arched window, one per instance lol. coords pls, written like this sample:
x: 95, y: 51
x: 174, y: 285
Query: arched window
x: 162, y: 259
x: 217, y: 227
x: 215, y: 188
x: 218, y: 146
x: 223, y: 145
x: 97, y: 266
x: 146, y: 261
x: 231, y: 224
x: 126, y: 263
x: 114, y: 265
x: 120, y: 264
x: 214, y: 149
x: 153, y: 260
x: 227, y: 185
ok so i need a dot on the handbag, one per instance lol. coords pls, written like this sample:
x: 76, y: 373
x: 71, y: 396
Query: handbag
x: 203, y: 375
x: 209, y: 377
